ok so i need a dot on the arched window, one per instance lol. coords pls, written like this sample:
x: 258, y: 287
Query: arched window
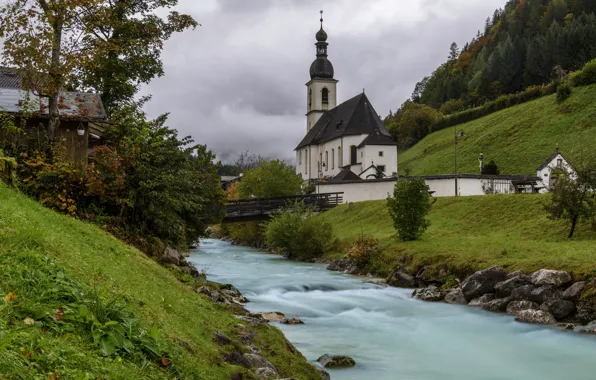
x: 300, y: 157
x: 353, y: 155
x: 339, y: 157
x: 309, y: 98
x: 325, y: 92
x: 332, y: 158
x: 326, y: 160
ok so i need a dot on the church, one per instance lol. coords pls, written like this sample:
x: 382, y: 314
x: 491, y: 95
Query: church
x: 343, y: 142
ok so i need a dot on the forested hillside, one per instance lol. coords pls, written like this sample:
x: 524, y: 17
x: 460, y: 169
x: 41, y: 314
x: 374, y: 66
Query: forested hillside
x: 527, y: 43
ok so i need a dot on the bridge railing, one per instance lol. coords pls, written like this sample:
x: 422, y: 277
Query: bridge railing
x: 268, y: 205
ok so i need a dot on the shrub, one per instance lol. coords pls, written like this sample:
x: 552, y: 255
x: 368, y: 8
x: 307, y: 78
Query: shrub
x: 297, y: 233
x: 363, y: 249
x: 452, y: 106
x: 8, y: 169
x: 490, y: 168
x: 409, y: 207
x: 586, y: 76
x: 563, y: 92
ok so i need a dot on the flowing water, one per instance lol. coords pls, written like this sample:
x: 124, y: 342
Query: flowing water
x: 390, y: 335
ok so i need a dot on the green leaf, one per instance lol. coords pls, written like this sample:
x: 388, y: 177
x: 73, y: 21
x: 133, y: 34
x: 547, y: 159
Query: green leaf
x: 107, y: 346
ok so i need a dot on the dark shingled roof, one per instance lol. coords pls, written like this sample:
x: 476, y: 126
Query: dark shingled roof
x: 345, y: 175
x: 355, y: 116
x: 9, y: 78
x: 550, y: 159
x: 377, y: 138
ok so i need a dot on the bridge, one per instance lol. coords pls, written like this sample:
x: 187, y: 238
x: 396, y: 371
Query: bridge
x: 256, y: 209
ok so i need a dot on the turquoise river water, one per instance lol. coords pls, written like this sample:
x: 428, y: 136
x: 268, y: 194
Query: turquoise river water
x: 390, y: 335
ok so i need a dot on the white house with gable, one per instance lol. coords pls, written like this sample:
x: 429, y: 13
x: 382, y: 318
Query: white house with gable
x: 347, y: 140
x: 556, y: 162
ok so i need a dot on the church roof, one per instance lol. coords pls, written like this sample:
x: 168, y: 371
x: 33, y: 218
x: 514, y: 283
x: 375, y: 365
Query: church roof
x: 355, y: 116
x: 551, y: 158
x: 345, y: 175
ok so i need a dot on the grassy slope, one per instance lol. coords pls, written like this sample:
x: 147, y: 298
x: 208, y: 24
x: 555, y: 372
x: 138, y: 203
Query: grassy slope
x: 519, y: 138
x: 469, y: 233
x: 153, y: 293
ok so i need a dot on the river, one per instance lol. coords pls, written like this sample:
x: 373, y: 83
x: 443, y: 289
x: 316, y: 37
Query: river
x: 390, y: 335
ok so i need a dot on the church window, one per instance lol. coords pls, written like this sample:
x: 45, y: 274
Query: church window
x: 300, y: 157
x: 332, y: 158
x: 560, y: 163
x: 381, y: 168
x: 325, y: 96
x: 380, y: 153
x: 309, y: 98
x: 353, y: 155
x: 326, y: 160
x: 339, y: 158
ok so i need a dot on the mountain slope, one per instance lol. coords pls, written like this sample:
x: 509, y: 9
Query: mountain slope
x: 518, y: 139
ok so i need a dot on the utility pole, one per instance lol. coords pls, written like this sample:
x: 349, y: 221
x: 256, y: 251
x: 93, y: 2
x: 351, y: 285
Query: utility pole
x: 455, y: 138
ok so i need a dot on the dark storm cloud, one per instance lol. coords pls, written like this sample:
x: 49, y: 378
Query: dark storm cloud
x: 237, y: 82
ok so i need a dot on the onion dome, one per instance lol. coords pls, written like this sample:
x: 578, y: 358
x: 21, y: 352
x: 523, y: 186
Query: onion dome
x: 321, y: 35
x: 321, y: 67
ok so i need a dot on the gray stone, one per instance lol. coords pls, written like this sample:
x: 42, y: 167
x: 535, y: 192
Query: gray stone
x: 523, y: 293
x: 455, y: 296
x: 430, y: 294
x: 566, y: 326
x: 586, y: 310
x: 222, y: 339
x: 550, y: 277
x: 535, y: 316
x: 574, y: 291
x: 515, y: 274
x: 505, y: 288
x: 336, y: 361
x: 258, y: 361
x: 538, y: 295
x: 324, y: 374
x: 401, y: 279
x: 480, y: 301
x: 498, y: 305
x: 291, y: 321
x: 211, y: 293
x: 236, y: 358
x: 272, y: 316
x: 590, y: 328
x: 170, y: 256
x: 483, y: 282
x: 515, y: 307
x: 560, y: 309
x: 266, y: 373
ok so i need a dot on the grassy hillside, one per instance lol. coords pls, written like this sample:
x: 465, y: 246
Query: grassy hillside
x: 470, y: 233
x: 518, y: 139
x: 54, y: 265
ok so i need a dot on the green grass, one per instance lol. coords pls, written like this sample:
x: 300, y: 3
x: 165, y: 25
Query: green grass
x: 518, y: 139
x: 49, y: 260
x: 472, y: 233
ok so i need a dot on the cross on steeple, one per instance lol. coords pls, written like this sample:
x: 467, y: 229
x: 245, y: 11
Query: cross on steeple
x: 321, y: 18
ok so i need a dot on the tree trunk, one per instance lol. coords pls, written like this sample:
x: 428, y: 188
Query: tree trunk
x: 573, y: 224
x: 55, y: 77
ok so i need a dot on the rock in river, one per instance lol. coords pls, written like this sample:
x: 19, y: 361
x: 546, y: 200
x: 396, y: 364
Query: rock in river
x: 535, y: 316
x: 483, y: 282
x: 455, y: 296
x: 550, y: 277
x: 560, y: 309
x: 431, y: 294
x: 516, y: 306
x: 336, y: 361
x: 401, y: 279
x: 498, y: 305
x: 480, y: 301
x: 505, y: 288
x: 291, y: 321
x: 574, y: 291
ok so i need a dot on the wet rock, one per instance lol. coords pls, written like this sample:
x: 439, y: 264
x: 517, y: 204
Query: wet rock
x: 376, y: 281
x: 550, y: 277
x: 498, y: 305
x: 566, y: 326
x: 483, y: 282
x: 515, y: 307
x: 517, y: 273
x: 574, y: 291
x: 560, y: 309
x: 272, y: 316
x: 505, y: 288
x: 266, y: 373
x: 291, y: 321
x: 211, y: 293
x: 343, y: 265
x: 480, y: 301
x: 222, y: 339
x: 170, y: 256
x: 455, y: 296
x: 538, y: 295
x: 430, y: 294
x: 586, y: 310
x: 401, y: 279
x: 590, y: 328
x: 535, y: 316
x: 324, y: 374
x: 336, y: 361
x: 258, y: 361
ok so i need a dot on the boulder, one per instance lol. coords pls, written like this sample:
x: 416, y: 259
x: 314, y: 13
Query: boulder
x: 535, y: 316
x: 455, y: 296
x: 534, y: 294
x: 257, y: 361
x: 517, y: 273
x: 336, y: 361
x: 343, y: 265
x: 211, y: 293
x: 498, y: 305
x: 266, y: 373
x: 515, y: 307
x: 272, y: 316
x: 586, y: 310
x: 170, y: 256
x: 574, y: 291
x: 483, y: 282
x: 566, y: 326
x: 291, y: 321
x: 377, y: 281
x: 550, y: 277
x: 430, y: 294
x: 505, y: 288
x: 236, y: 358
x: 590, y: 328
x: 480, y: 301
x: 222, y: 339
x: 560, y: 309
x: 324, y: 374
x: 401, y: 279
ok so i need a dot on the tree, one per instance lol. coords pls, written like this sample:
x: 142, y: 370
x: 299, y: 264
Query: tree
x: 490, y: 168
x: 409, y: 207
x: 412, y: 122
x: 453, y: 52
x: 270, y: 179
x: 42, y: 39
x: 555, y: 12
x: 419, y: 89
x: 573, y: 199
x: 125, y: 41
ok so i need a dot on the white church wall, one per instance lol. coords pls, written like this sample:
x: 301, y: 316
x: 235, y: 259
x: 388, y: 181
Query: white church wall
x: 384, y: 155
x: 316, y: 86
x: 360, y: 191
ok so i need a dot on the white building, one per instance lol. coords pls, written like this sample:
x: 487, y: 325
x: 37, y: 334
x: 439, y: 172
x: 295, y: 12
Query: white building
x: 346, y: 140
x: 555, y: 163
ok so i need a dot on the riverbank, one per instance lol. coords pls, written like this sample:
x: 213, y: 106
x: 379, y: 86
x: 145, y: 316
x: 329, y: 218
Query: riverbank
x: 78, y: 302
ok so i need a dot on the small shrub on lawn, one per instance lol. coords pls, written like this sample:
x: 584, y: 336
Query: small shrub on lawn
x: 563, y: 92
x: 409, y: 207
x: 363, y: 249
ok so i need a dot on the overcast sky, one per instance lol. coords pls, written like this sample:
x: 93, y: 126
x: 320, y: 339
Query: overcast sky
x: 237, y: 82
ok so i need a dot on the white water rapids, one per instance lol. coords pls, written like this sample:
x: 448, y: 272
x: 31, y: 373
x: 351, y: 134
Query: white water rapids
x: 390, y: 335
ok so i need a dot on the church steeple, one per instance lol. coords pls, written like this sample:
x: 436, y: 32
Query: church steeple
x: 321, y: 67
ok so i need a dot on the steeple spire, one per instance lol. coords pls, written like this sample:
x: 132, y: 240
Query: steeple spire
x: 321, y: 19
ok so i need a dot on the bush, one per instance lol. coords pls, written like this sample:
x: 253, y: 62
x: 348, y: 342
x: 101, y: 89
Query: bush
x: 563, y: 92
x: 490, y: 168
x: 586, y: 76
x: 297, y: 233
x: 363, y: 249
x: 409, y: 207
x: 8, y: 169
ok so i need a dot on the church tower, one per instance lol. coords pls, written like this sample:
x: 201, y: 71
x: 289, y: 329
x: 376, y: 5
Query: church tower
x: 321, y: 89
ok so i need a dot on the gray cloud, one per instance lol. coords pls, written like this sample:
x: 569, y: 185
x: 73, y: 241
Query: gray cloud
x: 237, y: 82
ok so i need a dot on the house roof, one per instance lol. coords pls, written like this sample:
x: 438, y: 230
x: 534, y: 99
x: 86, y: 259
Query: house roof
x: 345, y: 175
x: 377, y: 138
x: 9, y: 78
x: 550, y: 159
x: 355, y: 116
